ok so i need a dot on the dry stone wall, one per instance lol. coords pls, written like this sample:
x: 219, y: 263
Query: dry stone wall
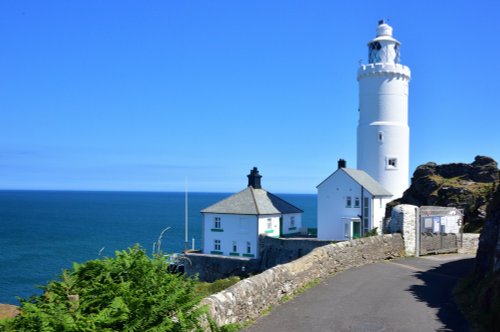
x: 403, y: 220
x: 247, y: 299
x: 468, y: 243
x: 273, y: 252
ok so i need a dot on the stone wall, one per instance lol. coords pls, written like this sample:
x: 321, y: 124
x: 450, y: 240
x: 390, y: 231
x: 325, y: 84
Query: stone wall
x: 212, y: 267
x: 275, y: 251
x: 468, y: 243
x: 403, y: 220
x: 272, y: 252
x: 247, y: 299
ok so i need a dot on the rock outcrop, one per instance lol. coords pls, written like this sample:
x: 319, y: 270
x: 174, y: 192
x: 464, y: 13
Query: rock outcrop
x: 482, y: 292
x: 488, y: 252
x: 465, y: 186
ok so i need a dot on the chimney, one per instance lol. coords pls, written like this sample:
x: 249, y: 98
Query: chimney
x: 254, y: 178
x: 342, y: 163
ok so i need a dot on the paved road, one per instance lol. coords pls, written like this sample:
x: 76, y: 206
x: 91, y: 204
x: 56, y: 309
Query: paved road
x: 410, y: 294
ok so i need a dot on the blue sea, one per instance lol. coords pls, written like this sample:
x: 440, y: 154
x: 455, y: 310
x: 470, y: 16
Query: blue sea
x: 44, y: 232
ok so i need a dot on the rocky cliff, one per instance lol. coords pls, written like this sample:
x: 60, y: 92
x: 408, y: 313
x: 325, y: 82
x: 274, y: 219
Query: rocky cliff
x: 488, y: 252
x: 466, y: 186
x: 480, y: 294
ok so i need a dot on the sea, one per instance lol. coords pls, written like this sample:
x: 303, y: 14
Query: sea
x: 44, y: 232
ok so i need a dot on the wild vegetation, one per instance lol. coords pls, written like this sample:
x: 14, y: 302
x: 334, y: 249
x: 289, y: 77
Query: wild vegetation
x: 130, y: 292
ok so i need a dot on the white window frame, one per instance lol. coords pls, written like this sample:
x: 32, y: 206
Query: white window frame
x: 392, y: 162
x: 348, y: 202
x: 235, y: 246
x: 217, y: 245
x: 356, y: 202
x: 217, y: 223
x: 269, y: 223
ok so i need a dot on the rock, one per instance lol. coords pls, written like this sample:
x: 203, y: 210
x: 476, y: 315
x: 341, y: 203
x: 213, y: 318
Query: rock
x: 8, y: 311
x: 485, y: 169
x: 466, y: 186
x: 488, y: 253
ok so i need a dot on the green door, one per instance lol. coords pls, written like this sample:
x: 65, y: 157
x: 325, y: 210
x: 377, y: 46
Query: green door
x: 356, y: 229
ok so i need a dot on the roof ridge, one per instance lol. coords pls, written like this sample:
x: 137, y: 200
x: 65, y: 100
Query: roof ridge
x: 254, y: 200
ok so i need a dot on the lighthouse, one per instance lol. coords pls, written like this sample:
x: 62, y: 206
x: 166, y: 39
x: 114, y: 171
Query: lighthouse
x: 383, y: 135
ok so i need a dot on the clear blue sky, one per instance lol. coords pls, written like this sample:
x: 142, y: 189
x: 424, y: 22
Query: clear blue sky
x: 139, y: 95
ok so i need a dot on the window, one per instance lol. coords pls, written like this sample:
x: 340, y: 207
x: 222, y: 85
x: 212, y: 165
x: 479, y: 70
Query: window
x: 380, y: 136
x: 217, y: 223
x: 217, y: 245
x: 269, y: 223
x: 366, y: 215
x: 392, y: 162
x: 249, y: 248
x: 380, y: 202
x: 348, y: 202
x: 356, y: 202
x: 235, y: 246
x: 292, y: 221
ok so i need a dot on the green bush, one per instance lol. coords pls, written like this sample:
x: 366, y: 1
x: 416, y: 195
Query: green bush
x: 208, y: 288
x: 371, y: 232
x: 131, y: 292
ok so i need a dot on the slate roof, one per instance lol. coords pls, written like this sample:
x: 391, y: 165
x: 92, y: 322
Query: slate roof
x: 364, y: 180
x: 252, y: 201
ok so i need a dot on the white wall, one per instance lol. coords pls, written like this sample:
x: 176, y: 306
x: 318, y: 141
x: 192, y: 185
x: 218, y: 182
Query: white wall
x: 332, y: 208
x: 379, y: 212
x: 239, y: 228
x: 287, y: 227
x: 383, y: 108
x: 274, y: 231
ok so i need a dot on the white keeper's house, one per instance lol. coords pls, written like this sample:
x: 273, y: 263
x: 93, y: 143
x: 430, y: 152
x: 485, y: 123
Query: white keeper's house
x: 232, y: 226
x: 351, y: 202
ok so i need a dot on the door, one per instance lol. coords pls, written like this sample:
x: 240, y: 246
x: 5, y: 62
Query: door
x: 356, y: 229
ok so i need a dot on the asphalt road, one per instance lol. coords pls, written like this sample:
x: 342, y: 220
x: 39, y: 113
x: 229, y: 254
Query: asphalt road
x: 410, y: 294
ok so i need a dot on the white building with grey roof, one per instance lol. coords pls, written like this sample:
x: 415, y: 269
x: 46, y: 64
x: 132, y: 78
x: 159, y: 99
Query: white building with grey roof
x: 350, y: 203
x: 232, y: 226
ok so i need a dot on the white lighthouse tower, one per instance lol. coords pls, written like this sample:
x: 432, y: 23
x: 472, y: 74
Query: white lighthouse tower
x: 383, y: 133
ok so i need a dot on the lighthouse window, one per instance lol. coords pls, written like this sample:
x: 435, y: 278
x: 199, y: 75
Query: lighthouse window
x: 373, y: 52
x: 392, y: 162
x: 380, y: 136
x: 397, y: 59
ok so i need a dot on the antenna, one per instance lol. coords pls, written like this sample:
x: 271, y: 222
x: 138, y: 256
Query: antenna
x: 186, y: 238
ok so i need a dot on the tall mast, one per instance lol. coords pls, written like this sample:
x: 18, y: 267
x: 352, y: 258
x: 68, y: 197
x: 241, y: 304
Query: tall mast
x: 186, y: 239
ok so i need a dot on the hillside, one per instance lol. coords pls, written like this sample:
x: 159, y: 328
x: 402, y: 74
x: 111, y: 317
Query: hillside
x: 466, y: 186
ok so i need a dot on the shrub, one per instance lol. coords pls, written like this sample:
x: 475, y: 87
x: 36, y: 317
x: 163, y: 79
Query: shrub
x: 209, y: 288
x: 130, y: 292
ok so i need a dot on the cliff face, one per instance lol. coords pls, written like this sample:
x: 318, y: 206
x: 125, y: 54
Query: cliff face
x: 482, y: 297
x: 466, y: 186
x: 488, y: 253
